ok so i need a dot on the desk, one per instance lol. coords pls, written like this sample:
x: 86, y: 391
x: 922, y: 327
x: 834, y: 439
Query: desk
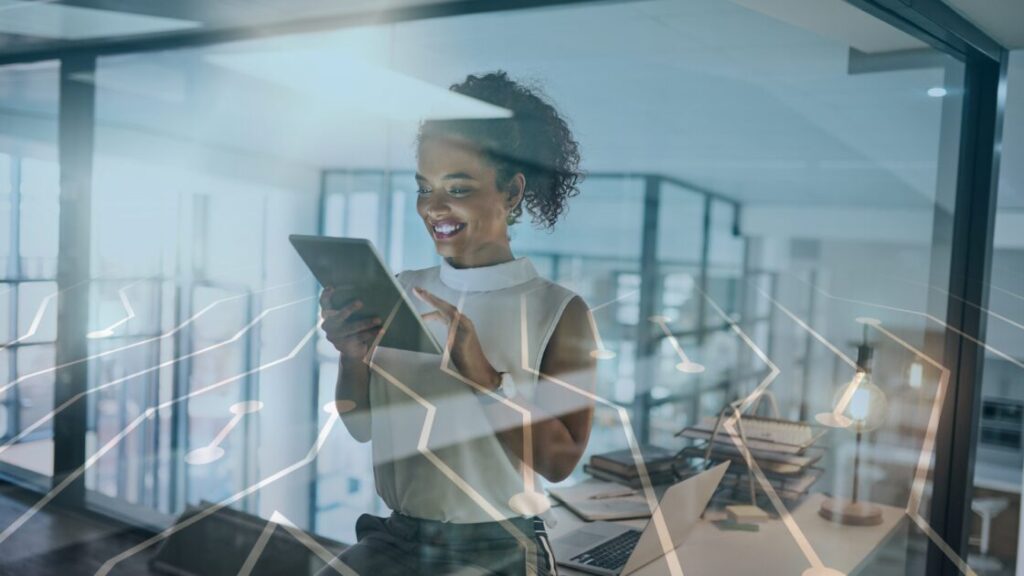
x: 709, y: 551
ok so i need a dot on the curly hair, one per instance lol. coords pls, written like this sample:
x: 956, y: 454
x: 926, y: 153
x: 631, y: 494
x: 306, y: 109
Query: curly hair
x: 535, y: 141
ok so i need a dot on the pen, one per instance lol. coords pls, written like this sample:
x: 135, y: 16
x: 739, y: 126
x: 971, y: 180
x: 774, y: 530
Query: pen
x: 607, y: 495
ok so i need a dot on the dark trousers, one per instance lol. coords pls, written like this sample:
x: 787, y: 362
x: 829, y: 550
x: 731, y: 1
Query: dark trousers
x: 400, y: 545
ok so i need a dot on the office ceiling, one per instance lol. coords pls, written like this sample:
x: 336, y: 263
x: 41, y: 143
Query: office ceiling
x: 1003, y: 20
x: 751, y: 99
x: 46, y: 24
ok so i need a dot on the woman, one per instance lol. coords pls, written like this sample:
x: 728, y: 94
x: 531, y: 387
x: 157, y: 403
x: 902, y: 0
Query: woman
x: 512, y: 401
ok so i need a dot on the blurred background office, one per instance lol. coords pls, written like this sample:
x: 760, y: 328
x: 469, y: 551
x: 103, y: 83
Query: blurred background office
x: 761, y: 175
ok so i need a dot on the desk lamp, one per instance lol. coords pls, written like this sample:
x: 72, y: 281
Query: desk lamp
x: 860, y: 406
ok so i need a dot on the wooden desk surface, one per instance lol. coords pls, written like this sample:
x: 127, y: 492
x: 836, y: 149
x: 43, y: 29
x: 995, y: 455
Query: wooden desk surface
x: 709, y: 551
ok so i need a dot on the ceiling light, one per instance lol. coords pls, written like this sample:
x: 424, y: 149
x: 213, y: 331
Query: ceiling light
x: 937, y: 92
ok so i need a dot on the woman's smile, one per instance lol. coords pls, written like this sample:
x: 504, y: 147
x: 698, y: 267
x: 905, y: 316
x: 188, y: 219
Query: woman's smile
x: 462, y: 207
x: 446, y: 228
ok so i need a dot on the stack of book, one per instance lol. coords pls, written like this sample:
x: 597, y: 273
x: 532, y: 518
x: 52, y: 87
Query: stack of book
x: 784, y: 451
x: 621, y: 466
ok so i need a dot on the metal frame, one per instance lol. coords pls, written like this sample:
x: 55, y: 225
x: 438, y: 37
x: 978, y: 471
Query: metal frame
x: 970, y: 270
x: 204, y: 37
x: 645, y: 342
x: 76, y: 123
x: 973, y: 228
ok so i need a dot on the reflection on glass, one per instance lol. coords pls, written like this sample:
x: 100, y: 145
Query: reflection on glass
x: 795, y: 192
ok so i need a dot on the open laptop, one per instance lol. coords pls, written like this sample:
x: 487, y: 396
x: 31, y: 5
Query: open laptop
x: 612, y: 549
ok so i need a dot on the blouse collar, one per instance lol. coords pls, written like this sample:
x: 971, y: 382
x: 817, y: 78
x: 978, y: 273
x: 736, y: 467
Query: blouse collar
x: 486, y: 278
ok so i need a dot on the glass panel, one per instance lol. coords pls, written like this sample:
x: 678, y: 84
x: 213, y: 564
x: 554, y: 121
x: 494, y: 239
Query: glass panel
x: 124, y: 308
x: 841, y: 169
x: 29, y: 222
x: 7, y: 300
x: 124, y: 385
x: 6, y: 186
x: 995, y: 545
x: 7, y: 419
x: 408, y: 248
x: 29, y: 404
x: 40, y: 217
x: 123, y: 215
x: 197, y: 298
x: 37, y: 312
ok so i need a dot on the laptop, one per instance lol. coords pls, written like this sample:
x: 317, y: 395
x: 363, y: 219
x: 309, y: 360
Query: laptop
x: 612, y: 549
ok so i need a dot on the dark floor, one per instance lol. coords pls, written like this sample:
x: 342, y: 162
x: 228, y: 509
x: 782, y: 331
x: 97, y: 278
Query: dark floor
x: 61, y: 542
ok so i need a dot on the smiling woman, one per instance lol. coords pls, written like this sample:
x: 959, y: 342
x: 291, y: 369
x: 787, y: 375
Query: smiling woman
x: 510, y: 398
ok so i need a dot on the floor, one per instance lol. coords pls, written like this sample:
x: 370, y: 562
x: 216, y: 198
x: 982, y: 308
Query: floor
x: 62, y: 543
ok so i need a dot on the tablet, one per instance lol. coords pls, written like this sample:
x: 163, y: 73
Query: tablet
x: 355, y: 270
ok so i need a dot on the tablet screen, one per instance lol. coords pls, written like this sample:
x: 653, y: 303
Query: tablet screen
x: 355, y: 270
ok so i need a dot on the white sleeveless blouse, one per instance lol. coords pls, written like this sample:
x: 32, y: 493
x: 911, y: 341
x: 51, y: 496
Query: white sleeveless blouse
x: 435, y: 452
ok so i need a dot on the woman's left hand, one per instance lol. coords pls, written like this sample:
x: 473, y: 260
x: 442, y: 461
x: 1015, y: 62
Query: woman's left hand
x: 463, y: 344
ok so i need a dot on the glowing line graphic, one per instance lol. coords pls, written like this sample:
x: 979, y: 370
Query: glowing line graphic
x: 657, y: 517
x: 836, y: 417
x: 34, y: 326
x: 332, y: 419
x: 529, y: 492
x: 213, y: 451
x: 1007, y: 292
x: 1009, y: 321
x: 277, y: 519
x: 109, y: 330
x: 927, y: 448
x: 810, y: 330
x: 610, y: 302
x: 798, y: 536
x: 171, y: 332
x: 686, y: 365
x: 950, y: 554
x: 73, y: 476
x: 149, y: 413
x: 600, y: 353
x: 423, y: 448
x: 36, y: 321
x: 925, y: 315
x: 49, y: 416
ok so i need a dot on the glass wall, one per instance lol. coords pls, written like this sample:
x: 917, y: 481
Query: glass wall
x: 995, y: 502
x: 801, y: 187
x: 761, y: 225
x: 195, y: 300
x: 29, y: 222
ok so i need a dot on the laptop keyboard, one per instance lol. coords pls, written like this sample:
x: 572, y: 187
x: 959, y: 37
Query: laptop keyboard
x: 610, y: 555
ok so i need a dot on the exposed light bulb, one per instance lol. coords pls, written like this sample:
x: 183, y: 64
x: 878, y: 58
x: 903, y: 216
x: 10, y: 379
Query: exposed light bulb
x: 859, y: 405
x: 937, y: 92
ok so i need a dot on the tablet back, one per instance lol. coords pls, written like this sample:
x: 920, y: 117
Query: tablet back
x: 355, y: 270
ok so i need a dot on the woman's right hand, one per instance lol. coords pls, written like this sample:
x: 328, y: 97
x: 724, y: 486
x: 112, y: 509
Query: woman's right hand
x: 353, y: 338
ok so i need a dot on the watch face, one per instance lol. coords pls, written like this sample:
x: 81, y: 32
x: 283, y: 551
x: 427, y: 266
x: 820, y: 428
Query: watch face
x: 508, y: 386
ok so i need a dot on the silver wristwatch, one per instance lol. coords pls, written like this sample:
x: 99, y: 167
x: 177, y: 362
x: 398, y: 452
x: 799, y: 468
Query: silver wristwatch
x: 506, y: 389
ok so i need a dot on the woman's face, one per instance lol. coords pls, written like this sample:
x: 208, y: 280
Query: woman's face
x: 461, y: 205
